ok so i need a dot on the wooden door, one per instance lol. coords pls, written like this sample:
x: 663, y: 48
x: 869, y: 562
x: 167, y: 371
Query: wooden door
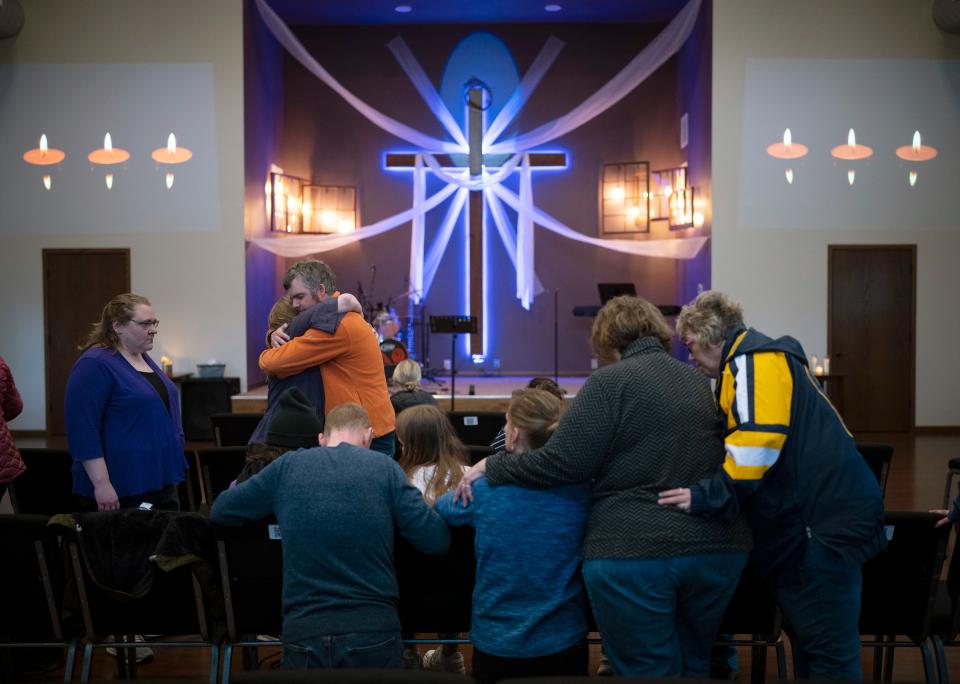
x: 871, y: 333
x: 77, y: 284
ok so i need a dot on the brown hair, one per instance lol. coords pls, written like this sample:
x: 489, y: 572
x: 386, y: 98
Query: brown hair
x: 547, y: 384
x: 313, y: 273
x: 709, y: 318
x: 624, y: 319
x: 346, y: 417
x: 428, y: 438
x: 259, y: 456
x: 536, y: 413
x: 281, y: 312
x: 118, y: 310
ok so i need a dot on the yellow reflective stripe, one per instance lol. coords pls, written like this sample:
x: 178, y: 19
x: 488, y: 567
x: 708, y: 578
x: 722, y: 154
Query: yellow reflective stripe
x: 773, y: 440
x: 738, y: 472
x: 727, y: 393
x: 736, y: 343
x: 772, y: 389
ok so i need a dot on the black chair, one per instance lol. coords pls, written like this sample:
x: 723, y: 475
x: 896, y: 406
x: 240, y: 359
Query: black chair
x: 753, y: 610
x: 476, y: 453
x: 436, y: 592
x: 953, y: 469
x: 477, y: 427
x: 251, y: 576
x: 219, y: 466
x: 234, y: 429
x: 358, y: 676
x: 172, y: 605
x: 190, y: 490
x: 46, y: 487
x: 946, y: 612
x: 878, y: 458
x: 31, y: 591
x: 899, y: 589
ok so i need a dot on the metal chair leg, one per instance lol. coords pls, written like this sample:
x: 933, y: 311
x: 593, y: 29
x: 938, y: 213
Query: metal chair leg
x: 888, y: 658
x: 227, y: 662
x: 781, y: 660
x: 941, y: 657
x: 87, y: 661
x: 929, y: 668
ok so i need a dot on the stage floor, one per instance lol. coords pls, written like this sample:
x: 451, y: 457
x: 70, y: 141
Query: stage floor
x: 473, y: 392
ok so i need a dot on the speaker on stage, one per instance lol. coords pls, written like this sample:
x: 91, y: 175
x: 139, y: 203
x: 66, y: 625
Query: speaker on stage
x: 200, y: 398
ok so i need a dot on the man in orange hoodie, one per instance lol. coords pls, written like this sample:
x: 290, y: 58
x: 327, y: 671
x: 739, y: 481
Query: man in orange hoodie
x: 349, y: 358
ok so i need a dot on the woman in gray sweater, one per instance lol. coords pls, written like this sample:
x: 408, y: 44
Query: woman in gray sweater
x: 659, y: 580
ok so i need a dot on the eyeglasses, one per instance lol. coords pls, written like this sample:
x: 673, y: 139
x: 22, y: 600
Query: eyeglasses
x: 147, y: 324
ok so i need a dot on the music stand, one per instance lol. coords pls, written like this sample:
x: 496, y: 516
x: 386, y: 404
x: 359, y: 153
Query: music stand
x: 453, y: 325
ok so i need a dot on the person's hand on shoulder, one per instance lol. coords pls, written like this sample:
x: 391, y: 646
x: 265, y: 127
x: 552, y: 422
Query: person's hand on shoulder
x: 279, y: 337
x: 347, y: 302
x: 464, y: 491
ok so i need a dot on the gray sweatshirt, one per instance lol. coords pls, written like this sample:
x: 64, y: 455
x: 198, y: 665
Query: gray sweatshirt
x: 337, y: 509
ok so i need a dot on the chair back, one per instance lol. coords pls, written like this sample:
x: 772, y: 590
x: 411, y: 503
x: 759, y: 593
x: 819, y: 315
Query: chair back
x: 219, y: 466
x: 878, y: 458
x: 753, y: 608
x: 477, y: 428
x: 251, y: 574
x: 46, y: 487
x: 436, y: 592
x: 476, y: 453
x: 31, y: 580
x: 234, y: 429
x: 900, y: 583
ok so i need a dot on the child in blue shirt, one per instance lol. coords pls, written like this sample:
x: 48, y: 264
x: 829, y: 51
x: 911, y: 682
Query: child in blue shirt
x: 529, y: 612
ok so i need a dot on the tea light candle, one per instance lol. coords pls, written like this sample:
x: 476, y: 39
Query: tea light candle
x: 44, y: 155
x: 826, y: 365
x: 851, y: 151
x: 916, y: 152
x: 787, y: 149
x: 167, y: 366
x: 819, y: 370
x: 108, y: 154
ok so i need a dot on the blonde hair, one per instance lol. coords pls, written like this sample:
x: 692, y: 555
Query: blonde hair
x: 407, y: 375
x: 346, y: 416
x: 428, y: 438
x: 536, y: 413
x: 709, y: 318
x: 625, y: 319
x: 118, y: 310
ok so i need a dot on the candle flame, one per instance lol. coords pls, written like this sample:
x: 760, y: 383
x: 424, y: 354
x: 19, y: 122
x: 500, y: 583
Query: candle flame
x: 165, y: 361
x: 109, y: 181
x: 789, y: 174
x: 107, y: 142
x: 851, y: 176
x: 852, y: 139
x: 43, y: 144
x: 169, y: 181
x: 46, y: 182
x: 787, y: 138
x: 171, y: 143
x: 913, y: 178
x: 916, y: 141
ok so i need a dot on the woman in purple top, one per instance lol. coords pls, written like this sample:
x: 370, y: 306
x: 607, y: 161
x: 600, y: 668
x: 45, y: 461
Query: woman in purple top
x: 123, y: 414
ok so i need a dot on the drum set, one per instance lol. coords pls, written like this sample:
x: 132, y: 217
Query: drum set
x: 397, y: 334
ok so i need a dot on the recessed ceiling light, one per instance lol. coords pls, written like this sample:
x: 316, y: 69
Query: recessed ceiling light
x: 403, y: 9
x: 553, y: 8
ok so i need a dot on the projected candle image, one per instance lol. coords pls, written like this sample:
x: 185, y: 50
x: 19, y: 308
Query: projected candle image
x: 787, y: 149
x: 108, y: 155
x: 916, y: 152
x: 851, y: 152
x: 169, y: 155
x: 44, y: 155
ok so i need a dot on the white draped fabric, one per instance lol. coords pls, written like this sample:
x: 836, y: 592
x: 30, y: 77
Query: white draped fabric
x: 519, y: 245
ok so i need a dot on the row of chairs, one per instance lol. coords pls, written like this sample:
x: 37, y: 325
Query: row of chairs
x: 899, y: 591
x: 474, y: 428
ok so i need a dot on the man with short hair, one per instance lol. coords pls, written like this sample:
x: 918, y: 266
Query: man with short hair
x: 337, y: 506
x: 349, y: 358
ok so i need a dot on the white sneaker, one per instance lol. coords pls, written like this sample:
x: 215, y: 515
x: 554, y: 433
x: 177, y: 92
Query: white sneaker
x: 436, y: 660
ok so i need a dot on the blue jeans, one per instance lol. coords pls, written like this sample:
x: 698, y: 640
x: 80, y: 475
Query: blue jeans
x: 385, y: 444
x: 821, y: 616
x: 659, y: 616
x: 364, y: 650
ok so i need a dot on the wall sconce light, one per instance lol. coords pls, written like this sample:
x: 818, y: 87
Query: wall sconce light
x: 108, y: 155
x: 285, y: 200
x: 329, y: 209
x: 43, y: 155
x: 625, y: 198
x: 673, y: 198
x: 171, y: 154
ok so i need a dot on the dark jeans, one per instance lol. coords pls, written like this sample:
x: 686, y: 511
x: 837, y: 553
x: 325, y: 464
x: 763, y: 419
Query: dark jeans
x: 659, y: 616
x: 362, y: 650
x: 821, y: 616
x: 385, y: 444
x: 572, y: 661
x: 166, y: 499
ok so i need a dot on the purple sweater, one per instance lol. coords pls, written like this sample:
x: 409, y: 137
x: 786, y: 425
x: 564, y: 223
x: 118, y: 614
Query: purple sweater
x: 114, y: 412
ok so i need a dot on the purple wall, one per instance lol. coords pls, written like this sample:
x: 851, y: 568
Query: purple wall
x: 263, y: 104
x: 324, y: 138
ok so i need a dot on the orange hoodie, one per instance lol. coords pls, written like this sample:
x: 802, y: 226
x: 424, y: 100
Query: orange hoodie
x: 351, y: 365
